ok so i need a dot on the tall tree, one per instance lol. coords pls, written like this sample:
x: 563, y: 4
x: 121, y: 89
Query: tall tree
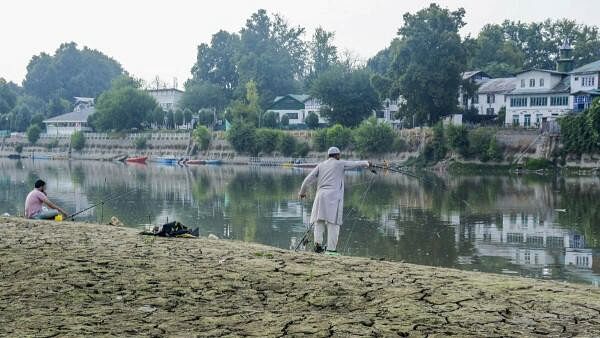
x: 216, y: 64
x: 123, y: 107
x: 430, y: 61
x: 347, y: 95
x: 70, y: 72
x: 322, y: 51
x: 492, y: 53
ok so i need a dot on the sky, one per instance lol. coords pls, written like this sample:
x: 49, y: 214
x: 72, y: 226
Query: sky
x: 159, y: 38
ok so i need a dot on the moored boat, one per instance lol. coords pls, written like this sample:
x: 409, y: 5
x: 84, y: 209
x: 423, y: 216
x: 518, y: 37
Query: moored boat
x: 214, y: 162
x: 139, y: 159
x: 195, y: 162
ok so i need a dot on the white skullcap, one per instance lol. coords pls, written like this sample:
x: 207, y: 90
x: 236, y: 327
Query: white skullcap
x: 333, y: 151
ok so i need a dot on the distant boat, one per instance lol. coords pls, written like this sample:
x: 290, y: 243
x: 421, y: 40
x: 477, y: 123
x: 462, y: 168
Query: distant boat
x: 195, y: 162
x: 305, y: 165
x: 40, y: 157
x: 139, y: 159
x: 214, y: 162
x: 14, y: 156
x: 165, y: 160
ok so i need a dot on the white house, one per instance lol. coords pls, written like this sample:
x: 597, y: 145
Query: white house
x: 167, y: 98
x: 584, y: 85
x: 492, y: 95
x: 389, y: 110
x: 476, y: 77
x: 77, y: 120
x: 296, y: 107
x: 541, y: 95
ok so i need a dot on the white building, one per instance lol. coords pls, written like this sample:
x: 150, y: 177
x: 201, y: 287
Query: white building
x: 467, y: 100
x: 584, y: 85
x: 541, y: 95
x: 389, y: 111
x: 296, y: 107
x: 167, y: 98
x: 77, y: 120
x: 492, y: 95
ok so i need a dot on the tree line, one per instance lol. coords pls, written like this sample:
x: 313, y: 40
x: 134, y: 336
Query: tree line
x: 237, y: 75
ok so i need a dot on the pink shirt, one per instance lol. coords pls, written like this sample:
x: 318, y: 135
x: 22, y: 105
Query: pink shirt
x: 33, y: 203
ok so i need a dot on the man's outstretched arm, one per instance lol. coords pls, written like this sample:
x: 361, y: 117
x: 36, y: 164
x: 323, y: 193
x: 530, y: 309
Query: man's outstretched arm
x: 49, y: 203
x: 307, y: 181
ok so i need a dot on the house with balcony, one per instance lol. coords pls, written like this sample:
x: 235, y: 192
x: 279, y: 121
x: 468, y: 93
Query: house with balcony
x: 584, y: 85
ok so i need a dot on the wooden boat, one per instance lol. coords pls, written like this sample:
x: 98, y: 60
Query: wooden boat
x: 139, y: 159
x: 195, y: 162
x: 165, y: 160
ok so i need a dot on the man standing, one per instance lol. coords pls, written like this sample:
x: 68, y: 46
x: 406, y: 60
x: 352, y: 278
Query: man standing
x: 34, y: 201
x: 328, y: 206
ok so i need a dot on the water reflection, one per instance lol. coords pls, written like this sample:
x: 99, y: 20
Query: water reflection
x: 532, y: 226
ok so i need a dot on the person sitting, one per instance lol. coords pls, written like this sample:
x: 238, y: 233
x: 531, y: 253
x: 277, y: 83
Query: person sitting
x: 34, y: 201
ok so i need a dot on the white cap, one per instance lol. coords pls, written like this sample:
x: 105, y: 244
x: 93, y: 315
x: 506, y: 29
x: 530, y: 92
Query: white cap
x: 333, y: 151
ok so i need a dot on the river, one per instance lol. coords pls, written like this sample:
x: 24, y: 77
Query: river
x: 535, y: 226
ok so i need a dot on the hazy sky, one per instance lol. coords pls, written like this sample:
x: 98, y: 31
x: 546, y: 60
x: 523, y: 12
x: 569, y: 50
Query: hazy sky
x: 150, y: 37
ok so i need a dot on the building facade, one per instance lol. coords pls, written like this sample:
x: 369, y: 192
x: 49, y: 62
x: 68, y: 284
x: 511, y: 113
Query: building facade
x: 584, y: 85
x: 167, y: 98
x: 69, y: 123
x: 296, y: 107
x: 492, y: 95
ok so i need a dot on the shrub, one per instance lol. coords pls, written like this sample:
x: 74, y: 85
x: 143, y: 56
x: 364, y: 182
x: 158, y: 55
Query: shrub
x: 374, y: 137
x: 285, y: 120
x: 458, y: 139
x: 267, y: 140
x: 435, y: 150
x: 479, y: 142
x: 78, y: 140
x: 287, y: 144
x: 312, y: 120
x: 399, y: 145
x: 320, y: 140
x: 33, y: 133
x: 537, y: 164
x: 201, y: 136
x: 494, y: 151
x: 302, y: 149
x: 269, y: 120
x: 339, y: 136
x: 140, y: 142
x: 242, y: 137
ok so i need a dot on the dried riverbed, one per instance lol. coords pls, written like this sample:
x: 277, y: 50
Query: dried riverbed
x: 73, y: 279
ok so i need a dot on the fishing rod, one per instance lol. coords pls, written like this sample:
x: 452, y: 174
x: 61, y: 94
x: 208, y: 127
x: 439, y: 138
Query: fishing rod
x: 110, y: 197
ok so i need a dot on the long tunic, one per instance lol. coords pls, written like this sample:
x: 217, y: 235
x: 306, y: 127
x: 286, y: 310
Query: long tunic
x: 329, y: 201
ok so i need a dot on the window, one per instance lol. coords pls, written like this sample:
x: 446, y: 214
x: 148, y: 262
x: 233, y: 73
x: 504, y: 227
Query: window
x: 515, y: 123
x: 527, y: 121
x: 518, y: 102
x: 538, y: 101
x: 541, y: 82
x: 292, y: 116
x: 476, y: 99
x: 489, y: 111
x: 587, y: 81
x: 559, y: 101
x: 538, y: 119
x: 380, y: 114
x: 491, y: 98
x: 522, y: 83
x: 531, y: 82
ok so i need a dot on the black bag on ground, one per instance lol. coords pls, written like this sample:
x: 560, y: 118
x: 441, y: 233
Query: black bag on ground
x: 175, y: 229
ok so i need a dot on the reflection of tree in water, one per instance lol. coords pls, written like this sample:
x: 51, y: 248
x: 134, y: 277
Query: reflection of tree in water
x: 78, y: 175
x: 582, y: 209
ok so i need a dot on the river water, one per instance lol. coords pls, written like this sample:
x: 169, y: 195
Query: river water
x: 535, y: 226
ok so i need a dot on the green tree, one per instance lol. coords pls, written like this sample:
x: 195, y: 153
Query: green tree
x: 206, y: 117
x: 8, y: 98
x: 373, y: 137
x: 494, y: 54
x: 242, y: 137
x: 323, y: 52
x: 203, y: 95
x: 347, y: 95
x: 38, y: 119
x: 436, y: 149
x: 140, y: 142
x: 429, y: 77
x: 269, y: 119
x: 70, y: 72
x: 312, y: 120
x: 494, y: 151
x: 287, y: 144
x: 122, y: 107
x: 458, y: 139
x: 339, y: 136
x: 78, y: 140
x: 170, y: 119
x: 267, y: 140
x: 33, y: 133
x: 202, y: 136
x: 320, y: 140
x: 187, y: 116
x: 178, y: 117
x: 158, y: 116
x: 247, y: 109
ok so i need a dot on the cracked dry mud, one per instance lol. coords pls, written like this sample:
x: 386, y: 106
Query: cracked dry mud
x: 72, y: 279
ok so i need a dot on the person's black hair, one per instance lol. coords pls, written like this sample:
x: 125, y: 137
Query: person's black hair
x: 332, y: 155
x: 39, y: 183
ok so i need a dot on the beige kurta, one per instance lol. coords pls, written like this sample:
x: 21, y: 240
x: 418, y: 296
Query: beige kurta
x: 329, y: 201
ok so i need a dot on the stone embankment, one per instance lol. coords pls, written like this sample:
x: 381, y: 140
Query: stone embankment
x: 72, y: 279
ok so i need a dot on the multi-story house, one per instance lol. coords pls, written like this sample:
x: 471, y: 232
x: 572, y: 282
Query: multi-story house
x: 167, y: 98
x: 467, y: 97
x: 584, y: 85
x: 492, y: 95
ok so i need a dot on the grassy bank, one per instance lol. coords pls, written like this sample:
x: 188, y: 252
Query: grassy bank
x: 71, y: 279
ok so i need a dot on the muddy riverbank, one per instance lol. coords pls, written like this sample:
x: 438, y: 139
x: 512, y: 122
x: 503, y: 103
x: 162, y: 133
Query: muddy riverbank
x: 75, y: 279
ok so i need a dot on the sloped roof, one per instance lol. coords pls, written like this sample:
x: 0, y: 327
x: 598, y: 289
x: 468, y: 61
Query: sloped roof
x: 593, y: 92
x: 499, y: 85
x: 541, y: 70
x: 564, y: 86
x: 298, y: 97
x: 590, y: 67
x: 75, y: 116
x: 470, y: 74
